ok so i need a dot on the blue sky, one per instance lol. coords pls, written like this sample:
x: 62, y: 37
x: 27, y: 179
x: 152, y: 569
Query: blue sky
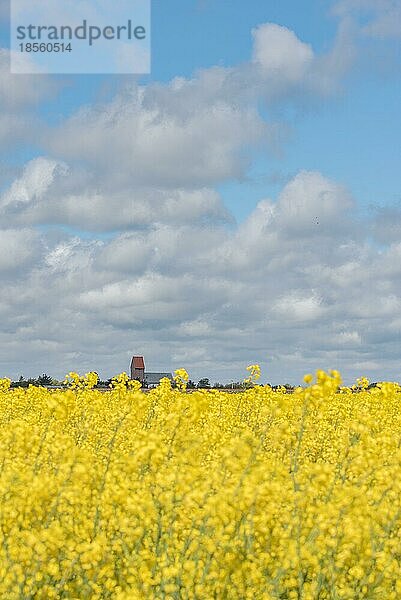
x: 349, y: 137
x: 193, y: 34
x: 234, y: 206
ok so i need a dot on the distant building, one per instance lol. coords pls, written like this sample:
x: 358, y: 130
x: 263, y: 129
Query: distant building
x: 148, y: 380
x: 153, y: 379
x: 138, y: 368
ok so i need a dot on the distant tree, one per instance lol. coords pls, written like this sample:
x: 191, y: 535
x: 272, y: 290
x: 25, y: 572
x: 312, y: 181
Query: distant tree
x: 191, y: 385
x: 218, y: 386
x: 290, y: 388
x: 21, y: 383
x: 234, y: 385
x: 44, y: 380
x: 203, y: 383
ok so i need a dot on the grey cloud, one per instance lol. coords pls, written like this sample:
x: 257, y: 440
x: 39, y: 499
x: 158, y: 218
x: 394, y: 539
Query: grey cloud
x: 200, y: 131
x: 135, y: 146
x: 49, y: 192
x: 19, y: 248
x: 165, y: 248
x: 299, y: 285
x: 186, y: 295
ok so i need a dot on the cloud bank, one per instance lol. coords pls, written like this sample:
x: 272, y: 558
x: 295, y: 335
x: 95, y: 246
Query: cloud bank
x: 114, y: 239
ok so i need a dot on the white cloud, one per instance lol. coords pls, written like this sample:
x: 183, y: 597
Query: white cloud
x: 35, y: 180
x: 71, y: 255
x: 280, y: 54
x: 298, y: 283
x: 298, y: 307
x: 201, y: 131
x: 310, y: 203
x: 167, y: 248
x: 131, y: 143
x: 49, y: 192
x: 238, y: 295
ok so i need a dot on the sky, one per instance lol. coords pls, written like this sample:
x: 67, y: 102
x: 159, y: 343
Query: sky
x: 241, y: 204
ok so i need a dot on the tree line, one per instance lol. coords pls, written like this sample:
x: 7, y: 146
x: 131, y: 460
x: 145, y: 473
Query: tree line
x: 46, y: 380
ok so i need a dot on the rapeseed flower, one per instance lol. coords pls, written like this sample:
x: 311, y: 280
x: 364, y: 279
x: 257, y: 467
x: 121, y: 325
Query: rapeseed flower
x: 258, y: 494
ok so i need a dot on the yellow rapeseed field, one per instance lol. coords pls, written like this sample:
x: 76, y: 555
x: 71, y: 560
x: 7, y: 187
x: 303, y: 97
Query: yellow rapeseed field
x: 171, y: 495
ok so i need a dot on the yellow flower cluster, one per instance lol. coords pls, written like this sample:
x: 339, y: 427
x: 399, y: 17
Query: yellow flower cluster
x: 254, y: 373
x: 174, y: 495
x: 75, y: 381
x: 181, y: 378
